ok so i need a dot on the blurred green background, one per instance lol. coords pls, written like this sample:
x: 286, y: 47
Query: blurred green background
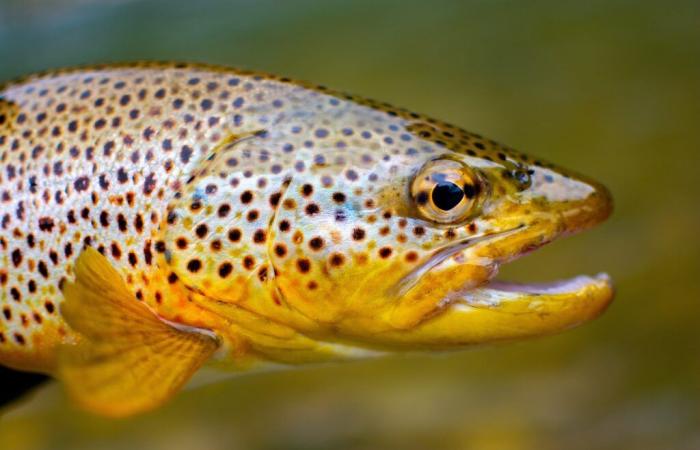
x: 609, y: 88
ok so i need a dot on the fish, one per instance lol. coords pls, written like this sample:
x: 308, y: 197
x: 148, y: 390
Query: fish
x: 156, y: 218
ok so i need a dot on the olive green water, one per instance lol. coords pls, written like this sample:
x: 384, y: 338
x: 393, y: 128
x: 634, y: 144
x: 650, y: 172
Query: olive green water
x: 609, y: 88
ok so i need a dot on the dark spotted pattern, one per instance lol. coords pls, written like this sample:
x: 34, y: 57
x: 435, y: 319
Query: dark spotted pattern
x: 200, y: 182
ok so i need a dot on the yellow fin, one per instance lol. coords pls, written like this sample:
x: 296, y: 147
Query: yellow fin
x: 127, y: 360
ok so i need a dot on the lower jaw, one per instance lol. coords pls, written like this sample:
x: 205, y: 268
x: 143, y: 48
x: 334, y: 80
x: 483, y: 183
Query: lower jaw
x: 519, y: 310
x: 500, y: 311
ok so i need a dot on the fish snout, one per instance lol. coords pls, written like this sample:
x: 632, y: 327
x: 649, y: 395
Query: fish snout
x: 578, y: 202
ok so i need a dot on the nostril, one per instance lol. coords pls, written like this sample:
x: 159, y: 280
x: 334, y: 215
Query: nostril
x: 523, y: 178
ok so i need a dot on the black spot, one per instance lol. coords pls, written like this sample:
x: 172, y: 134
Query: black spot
x: 470, y: 190
x: 312, y: 209
x: 337, y: 259
x: 104, y: 218
x: 149, y: 184
x: 148, y: 256
x: 259, y: 236
x: 16, y: 257
x: 316, y: 243
x: 43, y: 270
x: 385, y: 252
x: 225, y: 269
x: 422, y: 198
x: 224, y: 210
x: 275, y: 199
x: 104, y: 183
x: 304, y: 265
x: 201, y: 231
x: 138, y: 223
x: 121, y: 221
x: 185, y: 154
x: 234, y: 235
x: 280, y: 250
x: 122, y: 176
x: 194, y: 265
x: 46, y: 224
x: 358, y: 234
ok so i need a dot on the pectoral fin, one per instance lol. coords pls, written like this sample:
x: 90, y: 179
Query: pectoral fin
x: 128, y: 360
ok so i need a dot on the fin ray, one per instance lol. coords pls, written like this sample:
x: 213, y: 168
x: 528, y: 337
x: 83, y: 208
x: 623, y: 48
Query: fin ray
x: 128, y: 360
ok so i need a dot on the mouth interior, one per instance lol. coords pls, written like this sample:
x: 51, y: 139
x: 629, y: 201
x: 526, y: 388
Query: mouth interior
x: 496, y: 290
x: 500, y: 288
x: 564, y: 286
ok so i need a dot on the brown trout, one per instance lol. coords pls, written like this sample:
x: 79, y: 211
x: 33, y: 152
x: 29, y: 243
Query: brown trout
x: 157, y: 217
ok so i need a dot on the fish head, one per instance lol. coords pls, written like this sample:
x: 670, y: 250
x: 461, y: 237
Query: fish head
x: 413, y: 229
x: 406, y: 224
x: 385, y: 229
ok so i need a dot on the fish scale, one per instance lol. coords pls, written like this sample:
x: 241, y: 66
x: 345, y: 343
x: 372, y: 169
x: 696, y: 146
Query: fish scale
x: 288, y: 223
x: 116, y: 160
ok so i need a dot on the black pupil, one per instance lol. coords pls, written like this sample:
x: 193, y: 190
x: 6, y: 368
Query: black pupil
x: 447, y: 195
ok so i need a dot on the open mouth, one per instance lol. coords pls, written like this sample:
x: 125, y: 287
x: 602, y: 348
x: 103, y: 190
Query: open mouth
x: 453, y: 299
x: 510, y: 297
x: 570, y: 301
x: 495, y: 310
x: 548, y: 288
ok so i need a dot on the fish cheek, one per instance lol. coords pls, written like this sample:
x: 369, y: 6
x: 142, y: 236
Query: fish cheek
x: 335, y: 262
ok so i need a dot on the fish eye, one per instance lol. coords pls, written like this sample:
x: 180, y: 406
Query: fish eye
x: 447, y: 195
x: 445, y: 191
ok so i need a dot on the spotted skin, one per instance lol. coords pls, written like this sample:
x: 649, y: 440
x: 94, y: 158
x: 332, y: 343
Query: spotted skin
x: 280, y: 215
